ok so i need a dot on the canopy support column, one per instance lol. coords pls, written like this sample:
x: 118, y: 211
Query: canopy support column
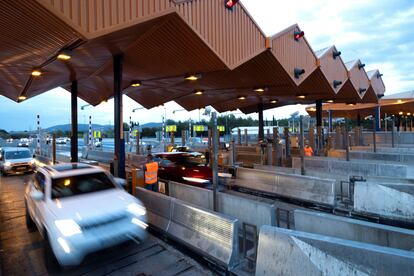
x: 74, y: 121
x: 330, y: 120
x: 118, y: 119
x: 377, y: 118
x: 358, y: 119
x: 215, y: 160
x: 261, y: 123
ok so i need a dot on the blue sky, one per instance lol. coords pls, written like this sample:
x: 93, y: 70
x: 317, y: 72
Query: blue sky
x: 379, y: 32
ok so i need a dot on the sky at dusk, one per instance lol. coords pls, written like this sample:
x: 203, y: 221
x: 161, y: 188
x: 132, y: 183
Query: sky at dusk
x: 380, y: 33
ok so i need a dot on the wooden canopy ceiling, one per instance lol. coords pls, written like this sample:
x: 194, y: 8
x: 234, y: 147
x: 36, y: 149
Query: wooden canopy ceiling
x: 162, y: 41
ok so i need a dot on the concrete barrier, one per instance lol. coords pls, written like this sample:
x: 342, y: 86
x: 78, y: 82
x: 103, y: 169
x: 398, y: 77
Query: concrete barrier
x: 287, y: 252
x: 394, y: 201
x: 304, y: 188
x: 245, y: 210
x: 276, y: 169
x: 213, y: 235
x: 354, y: 167
x: 377, y: 156
x: 352, y: 229
x: 101, y: 156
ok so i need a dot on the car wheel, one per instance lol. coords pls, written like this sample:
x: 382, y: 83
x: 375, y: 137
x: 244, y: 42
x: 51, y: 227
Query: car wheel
x: 52, y: 264
x: 31, y: 226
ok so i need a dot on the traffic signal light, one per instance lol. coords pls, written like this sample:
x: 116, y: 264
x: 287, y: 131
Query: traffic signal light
x: 298, y: 72
x: 337, y: 83
x: 299, y: 34
x: 229, y: 4
x: 336, y: 54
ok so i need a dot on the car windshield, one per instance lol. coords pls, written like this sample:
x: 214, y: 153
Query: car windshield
x: 18, y: 154
x: 80, y: 184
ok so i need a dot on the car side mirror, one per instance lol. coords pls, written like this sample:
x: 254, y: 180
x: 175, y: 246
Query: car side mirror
x: 36, y: 195
x: 120, y: 181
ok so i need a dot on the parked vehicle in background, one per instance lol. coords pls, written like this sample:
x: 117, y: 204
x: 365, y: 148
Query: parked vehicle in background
x: 61, y: 141
x: 10, y: 140
x: 79, y: 209
x: 16, y: 161
x: 184, y: 167
x: 23, y: 143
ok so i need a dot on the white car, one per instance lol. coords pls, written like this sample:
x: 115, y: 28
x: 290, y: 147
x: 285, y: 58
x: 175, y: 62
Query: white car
x: 16, y: 160
x: 79, y: 209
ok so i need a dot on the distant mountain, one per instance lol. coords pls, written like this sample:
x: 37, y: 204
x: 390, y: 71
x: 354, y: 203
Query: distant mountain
x: 81, y: 127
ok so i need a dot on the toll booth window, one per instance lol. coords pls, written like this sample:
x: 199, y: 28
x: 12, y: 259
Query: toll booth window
x: 39, y: 182
x: 80, y: 184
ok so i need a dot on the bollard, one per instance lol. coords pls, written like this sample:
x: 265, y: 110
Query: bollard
x: 302, y: 147
x: 319, y: 138
x: 287, y: 142
x: 269, y: 156
x: 346, y: 141
x: 239, y: 136
x: 312, y: 141
x: 338, y: 140
x: 268, y: 133
x: 183, y: 135
x: 54, y: 149
x: 231, y: 153
x: 276, y: 153
x: 246, y: 142
x: 137, y: 149
x: 172, y: 138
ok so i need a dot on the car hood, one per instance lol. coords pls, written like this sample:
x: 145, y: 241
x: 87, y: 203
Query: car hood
x: 92, y: 206
x: 21, y: 160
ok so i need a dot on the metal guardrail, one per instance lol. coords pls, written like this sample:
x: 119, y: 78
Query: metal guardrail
x: 212, y: 235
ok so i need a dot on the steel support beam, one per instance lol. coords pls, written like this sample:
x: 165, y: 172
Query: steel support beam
x: 302, y: 147
x: 118, y: 118
x: 261, y: 123
x: 215, y: 159
x: 74, y: 122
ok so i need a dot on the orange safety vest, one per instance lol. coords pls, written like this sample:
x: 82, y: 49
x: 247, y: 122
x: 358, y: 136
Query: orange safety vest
x: 151, y: 172
x: 308, y: 151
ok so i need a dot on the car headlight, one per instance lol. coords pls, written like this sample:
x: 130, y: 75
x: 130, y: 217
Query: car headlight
x: 136, y: 209
x: 7, y: 164
x: 68, y: 227
x: 32, y: 161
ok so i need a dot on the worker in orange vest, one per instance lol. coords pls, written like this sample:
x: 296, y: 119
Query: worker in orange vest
x: 308, y: 150
x: 151, y: 174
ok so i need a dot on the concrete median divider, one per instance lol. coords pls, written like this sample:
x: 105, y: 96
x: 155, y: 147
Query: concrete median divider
x: 288, y: 252
x: 352, y: 229
x: 276, y: 169
x: 387, y: 200
x: 305, y: 188
x: 212, y: 235
x: 378, y: 156
x: 98, y: 155
x: 354, y: 167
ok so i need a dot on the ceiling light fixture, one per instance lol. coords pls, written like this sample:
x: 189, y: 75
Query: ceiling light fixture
x: 399, y: 102
x: 22, y: 98
x: 64, y: 55
x: 329, y: 101
x: 198, y: 92
x: 135, y: 83
x: 400, y: 113
x: 241, y: 98
x: 273, y: 101
x: 259, y: 90
x: 36, y: 72
x: 192, y: 77
x: 300, y: 96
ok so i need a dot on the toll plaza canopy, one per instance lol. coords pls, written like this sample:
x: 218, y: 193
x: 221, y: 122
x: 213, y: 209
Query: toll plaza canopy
x: 193, y: 52
x: 400, y: 104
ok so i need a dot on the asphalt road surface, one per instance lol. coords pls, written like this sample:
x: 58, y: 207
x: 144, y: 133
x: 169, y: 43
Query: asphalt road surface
x: 22, y: 251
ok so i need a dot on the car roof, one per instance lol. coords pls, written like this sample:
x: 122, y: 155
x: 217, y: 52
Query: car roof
x: 70, y: 169
x: 8, y: 149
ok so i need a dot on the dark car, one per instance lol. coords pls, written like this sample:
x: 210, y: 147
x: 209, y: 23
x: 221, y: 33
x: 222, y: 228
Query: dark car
x: 184, y: 167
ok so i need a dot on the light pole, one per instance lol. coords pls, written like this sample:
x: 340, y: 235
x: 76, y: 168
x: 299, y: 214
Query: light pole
x: 138, y: 108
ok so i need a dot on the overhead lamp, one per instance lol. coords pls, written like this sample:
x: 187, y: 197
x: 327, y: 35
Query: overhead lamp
x: 135, y: 83
x: 64, y: 55
x: 312, y: 109
x: 192, y: 77
x: 362, y: 90
x: 337, y: 83
x: 399, y: 102
x: 36, y: 72
x: 329, y: 101
x: 241, y: 98
x: 298, y: 72
x: 259, y: 90
x: 361, y: 65
x: 273, y: 101
x: 298, y: 35
x: 350, y: 104
x: 408, y: 114
x: 22, y: 98
x: 336, y: 54
x: 198, y: 92
x: 400, y: 113
x: 300, y: 96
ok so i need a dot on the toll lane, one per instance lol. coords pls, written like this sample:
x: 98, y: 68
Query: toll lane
x: 22, y: 251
